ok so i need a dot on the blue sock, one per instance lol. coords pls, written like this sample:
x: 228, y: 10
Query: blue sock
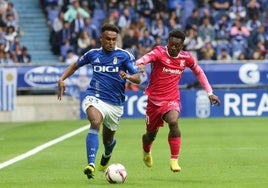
x: 92, y: 144
x: 109, y: 148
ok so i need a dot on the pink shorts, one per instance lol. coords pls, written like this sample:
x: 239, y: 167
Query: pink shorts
x: 155, y: 113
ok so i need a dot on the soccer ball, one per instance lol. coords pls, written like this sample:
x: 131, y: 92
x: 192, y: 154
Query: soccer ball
x: 116, y: 173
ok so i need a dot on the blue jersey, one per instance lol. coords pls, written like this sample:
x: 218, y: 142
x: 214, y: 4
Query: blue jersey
x: 106, y: 84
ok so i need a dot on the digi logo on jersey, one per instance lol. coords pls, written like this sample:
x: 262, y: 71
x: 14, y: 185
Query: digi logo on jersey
x: 105, y: 69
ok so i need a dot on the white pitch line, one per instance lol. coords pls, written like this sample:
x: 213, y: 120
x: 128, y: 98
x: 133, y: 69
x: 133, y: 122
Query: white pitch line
x: 42, y: 147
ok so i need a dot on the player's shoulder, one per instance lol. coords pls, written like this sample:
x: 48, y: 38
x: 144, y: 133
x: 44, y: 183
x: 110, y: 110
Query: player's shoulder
x: 185, y: 54
x: 124, y: 53
x: 162, y: 49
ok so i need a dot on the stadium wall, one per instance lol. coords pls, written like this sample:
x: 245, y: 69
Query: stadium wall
x: 41, y: 108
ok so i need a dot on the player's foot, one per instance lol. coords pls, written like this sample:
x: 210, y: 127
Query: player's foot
x: 147, y: 159
x: 174, y: 166
x: 89, y: 171
x: 104, y: 163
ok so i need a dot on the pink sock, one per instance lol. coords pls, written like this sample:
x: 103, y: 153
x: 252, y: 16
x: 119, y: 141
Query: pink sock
x: 174, y: 145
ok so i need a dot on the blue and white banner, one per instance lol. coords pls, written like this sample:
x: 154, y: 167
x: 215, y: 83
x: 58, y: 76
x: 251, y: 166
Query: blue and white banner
x: 220, y: 75
x: 195, y: 103
x: 8, y: 89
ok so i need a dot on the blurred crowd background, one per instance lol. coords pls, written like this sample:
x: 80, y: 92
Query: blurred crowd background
x: 223, y: 30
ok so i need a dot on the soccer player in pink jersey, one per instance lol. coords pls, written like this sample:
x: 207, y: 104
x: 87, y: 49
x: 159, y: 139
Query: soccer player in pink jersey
x: 168, y: 63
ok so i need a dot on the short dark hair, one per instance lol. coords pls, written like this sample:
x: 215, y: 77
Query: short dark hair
x: 109, y: 27
x: 177, y: 34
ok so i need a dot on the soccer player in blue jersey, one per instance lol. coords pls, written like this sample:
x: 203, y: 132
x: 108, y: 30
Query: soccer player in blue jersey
x: 105, y: 95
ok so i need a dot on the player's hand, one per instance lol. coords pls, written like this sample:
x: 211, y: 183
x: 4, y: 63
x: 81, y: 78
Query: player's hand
x: 141, y: 68
x: 61, y: 88
x: 214, y: 100
x: 124, y: 75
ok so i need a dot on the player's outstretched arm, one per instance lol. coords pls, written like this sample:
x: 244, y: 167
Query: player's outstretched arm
x: 135, y: 78
x: 68, y: 72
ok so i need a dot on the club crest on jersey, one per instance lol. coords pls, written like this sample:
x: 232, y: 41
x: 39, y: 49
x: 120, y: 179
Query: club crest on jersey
x: 115, y: 60
x: 182, y: 63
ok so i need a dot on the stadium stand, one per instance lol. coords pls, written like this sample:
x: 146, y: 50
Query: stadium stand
x: 217, y: 22
x: 24, y: 34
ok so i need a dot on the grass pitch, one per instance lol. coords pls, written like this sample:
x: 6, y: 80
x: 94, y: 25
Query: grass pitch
x: 215, y: 152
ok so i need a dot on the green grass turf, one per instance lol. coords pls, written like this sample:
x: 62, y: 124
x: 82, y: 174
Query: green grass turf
x: 215, y: 152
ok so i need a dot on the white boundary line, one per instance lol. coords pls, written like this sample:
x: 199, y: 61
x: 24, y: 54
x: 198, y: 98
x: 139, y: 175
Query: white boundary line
x: 42, y: 147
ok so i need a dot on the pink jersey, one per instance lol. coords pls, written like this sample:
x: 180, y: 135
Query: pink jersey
x: 167, y: 72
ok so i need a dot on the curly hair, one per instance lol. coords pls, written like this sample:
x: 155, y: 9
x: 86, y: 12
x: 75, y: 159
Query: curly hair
x: 177, y: 34
x: 109, y: 27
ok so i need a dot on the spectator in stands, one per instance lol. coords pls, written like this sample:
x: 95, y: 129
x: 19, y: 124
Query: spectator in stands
x: 242, y: 56
x: 58, y: 22
x: 193, y: 21
x: 253, y: 9
x: 7, y: 58
x: 2, y: 52
x: 77, y: 25
x: 2, y: 36
x: 112, y: 5
x: 177, y: 6
x: 207, y: 14
x: 145, y: 8
x: 124, y: 19
x: 161, y: 6
x: 83, y: 42
x: 3, y: 5
x: 91, y: 29
x: 11, y: 33
x: 221, y: 7
x: 208, y: 52
x: 173, y: 21
x: 62, y: 38
x: 206, y: 31
x: 17, y: 52
x: 224, y: 19
x: 193, y: 43
x: 12, y: 12
x: 15, y: 42
x: 146, y: 41
x: 252, y: 24
x: 71, y: 57
x: 160, y: 29
x: 9, y: 21
x: 141, y: 25
x: 257, y: 55
x: 237, y: 10
x: 72, y: 11
x: 130, y: 40
x: 112, y: 18
x: 239, y: 35
x: 224, y: 55
x: 222, y: 35
x: 85, y: 6
x: 24, y: 57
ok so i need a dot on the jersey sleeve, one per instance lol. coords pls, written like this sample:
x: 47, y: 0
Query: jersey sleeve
x: 130, y: 65
x: 201, y: 77
x: 84, y: 59
x: 199, y: 73
x: 149, y: 57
